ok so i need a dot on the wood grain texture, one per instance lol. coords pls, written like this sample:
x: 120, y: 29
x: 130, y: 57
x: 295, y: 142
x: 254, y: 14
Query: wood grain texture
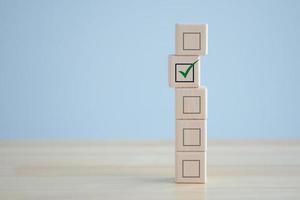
x: 191, y: 39
x: 182, y: 63
x: 190, y: 167
x: 145, y: 170
x: 191, y: 103
x: 191, y: 135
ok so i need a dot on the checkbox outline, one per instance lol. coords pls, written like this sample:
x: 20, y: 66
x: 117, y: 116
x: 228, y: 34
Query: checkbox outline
x: 199, y: 33
x: 183, y: 176
x: 183, y: 111
x: 183, y: 132
x: 193, y: 68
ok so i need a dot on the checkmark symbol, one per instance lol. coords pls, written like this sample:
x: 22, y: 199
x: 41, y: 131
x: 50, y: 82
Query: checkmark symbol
x: 184, y: 74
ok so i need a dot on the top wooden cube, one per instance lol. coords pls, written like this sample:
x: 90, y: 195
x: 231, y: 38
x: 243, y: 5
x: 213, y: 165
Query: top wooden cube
x: 191, y: 39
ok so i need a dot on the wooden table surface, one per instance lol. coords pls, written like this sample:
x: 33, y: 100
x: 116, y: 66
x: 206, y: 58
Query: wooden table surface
x: 145, y: 170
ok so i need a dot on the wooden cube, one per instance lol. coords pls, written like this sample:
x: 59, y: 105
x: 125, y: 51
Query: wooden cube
x: 191, y: 39
x: 184, y: 71
x: 191, y: 135
x: 190, y: 167
x: 191, y: 103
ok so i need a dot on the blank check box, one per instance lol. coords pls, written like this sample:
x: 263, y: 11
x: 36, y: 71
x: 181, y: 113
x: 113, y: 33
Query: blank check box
x: 190, y: 167
x: 191, y: 103
x: 191, y: 135
x: 191, y: 39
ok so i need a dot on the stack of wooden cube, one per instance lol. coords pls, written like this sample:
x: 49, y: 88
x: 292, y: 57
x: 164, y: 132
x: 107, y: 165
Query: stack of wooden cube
x: 191, y: 102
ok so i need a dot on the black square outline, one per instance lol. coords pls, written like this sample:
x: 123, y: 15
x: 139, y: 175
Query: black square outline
x: 183, y: 169
x: 191, y: 33
x: 198, y: 145
x: 192, y: 112
x: 176, y: 73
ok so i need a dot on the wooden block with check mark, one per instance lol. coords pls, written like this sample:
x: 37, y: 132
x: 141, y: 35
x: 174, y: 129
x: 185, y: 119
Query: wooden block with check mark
x: 184, y: 71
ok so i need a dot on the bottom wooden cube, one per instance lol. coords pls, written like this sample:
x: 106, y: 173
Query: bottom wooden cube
x: 190, y: 167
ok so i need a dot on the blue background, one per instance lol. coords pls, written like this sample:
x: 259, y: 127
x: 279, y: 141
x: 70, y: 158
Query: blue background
x: 98, y: 69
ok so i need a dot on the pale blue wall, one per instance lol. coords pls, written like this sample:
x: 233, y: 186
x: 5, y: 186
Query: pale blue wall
x: 98, y: 69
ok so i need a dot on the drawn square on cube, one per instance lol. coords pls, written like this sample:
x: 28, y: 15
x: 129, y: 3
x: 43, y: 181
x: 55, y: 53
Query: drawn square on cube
x: 191, y: 168
x: 184, y: 67
x: 191, y: 105
x: 191, y: 137
x: 184, y: 71
x: 191, y: 41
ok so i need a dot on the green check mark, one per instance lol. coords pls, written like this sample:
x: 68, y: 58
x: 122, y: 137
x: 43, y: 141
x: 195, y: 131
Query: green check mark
x: 184, y: 74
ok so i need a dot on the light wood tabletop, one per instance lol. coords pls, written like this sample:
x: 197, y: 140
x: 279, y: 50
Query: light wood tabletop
x: 42, y: 170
